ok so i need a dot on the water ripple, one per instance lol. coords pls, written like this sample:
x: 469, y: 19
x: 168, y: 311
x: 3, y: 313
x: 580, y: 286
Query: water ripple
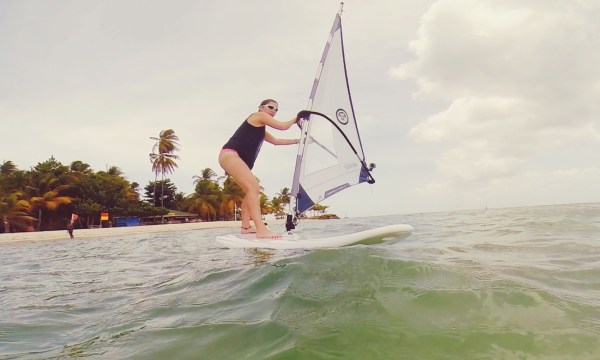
x: 489, y: 284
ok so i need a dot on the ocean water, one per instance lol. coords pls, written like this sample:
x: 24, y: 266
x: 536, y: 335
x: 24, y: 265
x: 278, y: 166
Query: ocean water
x: 520, y: 283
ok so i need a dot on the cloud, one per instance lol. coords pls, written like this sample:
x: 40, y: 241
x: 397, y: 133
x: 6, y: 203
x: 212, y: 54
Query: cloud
x: 519, y: 79
x: 500, y: 90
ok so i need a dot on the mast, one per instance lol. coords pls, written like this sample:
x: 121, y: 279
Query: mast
x: 291, y: 218
x: 329, y: 101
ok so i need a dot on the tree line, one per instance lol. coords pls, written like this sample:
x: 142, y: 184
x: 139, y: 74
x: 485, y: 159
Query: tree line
x: 44, y: 197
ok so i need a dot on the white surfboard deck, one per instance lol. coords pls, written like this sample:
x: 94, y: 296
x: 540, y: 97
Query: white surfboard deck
x: 389, y: 234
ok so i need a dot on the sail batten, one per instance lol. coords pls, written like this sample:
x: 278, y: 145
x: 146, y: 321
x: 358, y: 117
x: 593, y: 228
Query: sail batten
x: 330, y: 155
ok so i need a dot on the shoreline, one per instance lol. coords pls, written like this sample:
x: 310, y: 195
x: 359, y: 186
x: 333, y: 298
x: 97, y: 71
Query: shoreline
x: 124, y: 230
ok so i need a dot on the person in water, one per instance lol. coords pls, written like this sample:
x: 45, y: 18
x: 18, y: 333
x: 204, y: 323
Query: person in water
x: 70, y: 229
x: 238, y: 155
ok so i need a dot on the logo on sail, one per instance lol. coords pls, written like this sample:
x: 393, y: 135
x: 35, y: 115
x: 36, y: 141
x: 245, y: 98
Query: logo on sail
x: 336, y: 189
x: 342, y: 116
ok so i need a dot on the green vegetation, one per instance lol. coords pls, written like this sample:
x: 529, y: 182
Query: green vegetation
x: 44, y: 197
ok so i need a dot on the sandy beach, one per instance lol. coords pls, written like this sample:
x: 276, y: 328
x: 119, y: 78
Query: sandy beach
x: 103, y: 232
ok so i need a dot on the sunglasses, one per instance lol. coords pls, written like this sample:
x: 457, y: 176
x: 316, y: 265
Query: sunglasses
x: 271, y: 107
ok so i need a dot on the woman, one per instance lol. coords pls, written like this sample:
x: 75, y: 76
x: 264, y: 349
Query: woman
x: 238, y: 155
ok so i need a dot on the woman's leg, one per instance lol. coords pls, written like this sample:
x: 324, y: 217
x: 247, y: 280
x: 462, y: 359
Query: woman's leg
x: 232, y: 163
x: 246, y: 228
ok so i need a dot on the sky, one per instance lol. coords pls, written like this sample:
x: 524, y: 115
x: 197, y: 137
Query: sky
x: 462, y: 104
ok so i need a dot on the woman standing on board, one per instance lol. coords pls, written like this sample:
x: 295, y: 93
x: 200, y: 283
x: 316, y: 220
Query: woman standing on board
x: 238, y: 155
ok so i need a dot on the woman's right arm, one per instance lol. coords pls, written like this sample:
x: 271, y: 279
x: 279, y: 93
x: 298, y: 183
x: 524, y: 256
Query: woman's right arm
x: 268, y: 120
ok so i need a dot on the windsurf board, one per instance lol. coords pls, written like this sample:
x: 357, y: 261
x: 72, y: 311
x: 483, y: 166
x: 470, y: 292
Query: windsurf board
x: 389, y: 234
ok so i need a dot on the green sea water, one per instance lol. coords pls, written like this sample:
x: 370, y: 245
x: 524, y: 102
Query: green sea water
x: 520, y: 283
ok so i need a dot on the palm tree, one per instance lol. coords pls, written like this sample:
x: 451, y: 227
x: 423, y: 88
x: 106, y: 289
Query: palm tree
x: 319, y: 208
x: 284, y: 195
x: 14, y: 210
x: 44, y: 192
x: 114, y: 171
x: 135, y: 188
x: 130, y: 194
x: 129, y: 191
x: 265, y: 204
x: 11, y: 179
x: 7, y: 168
x: 80, y: 167
x: 206, y: 174
x: 180, y: 201
x: 166, y: 142
x: 222, y: 178
x: 162, y: 164
x: 162, y: 157
x: 205, y: 200
x: 277, y: 207
x: 232, y: 196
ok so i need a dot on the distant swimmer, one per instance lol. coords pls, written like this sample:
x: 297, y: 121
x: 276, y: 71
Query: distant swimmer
x: 70, y: 229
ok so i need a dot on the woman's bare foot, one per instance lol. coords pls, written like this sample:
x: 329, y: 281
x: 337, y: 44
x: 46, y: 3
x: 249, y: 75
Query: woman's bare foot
x: 248, y: 230
x: 267, y: 233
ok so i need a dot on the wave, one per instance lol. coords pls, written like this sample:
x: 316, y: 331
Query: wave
x: 493, y: 284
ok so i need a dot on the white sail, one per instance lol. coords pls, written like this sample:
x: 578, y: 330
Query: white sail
x: 330, y: 156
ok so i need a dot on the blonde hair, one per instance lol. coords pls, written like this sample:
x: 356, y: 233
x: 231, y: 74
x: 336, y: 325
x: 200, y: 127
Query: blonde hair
x: 266, y: 101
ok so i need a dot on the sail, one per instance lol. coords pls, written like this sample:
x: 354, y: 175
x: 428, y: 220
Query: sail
x: 330, y: 156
